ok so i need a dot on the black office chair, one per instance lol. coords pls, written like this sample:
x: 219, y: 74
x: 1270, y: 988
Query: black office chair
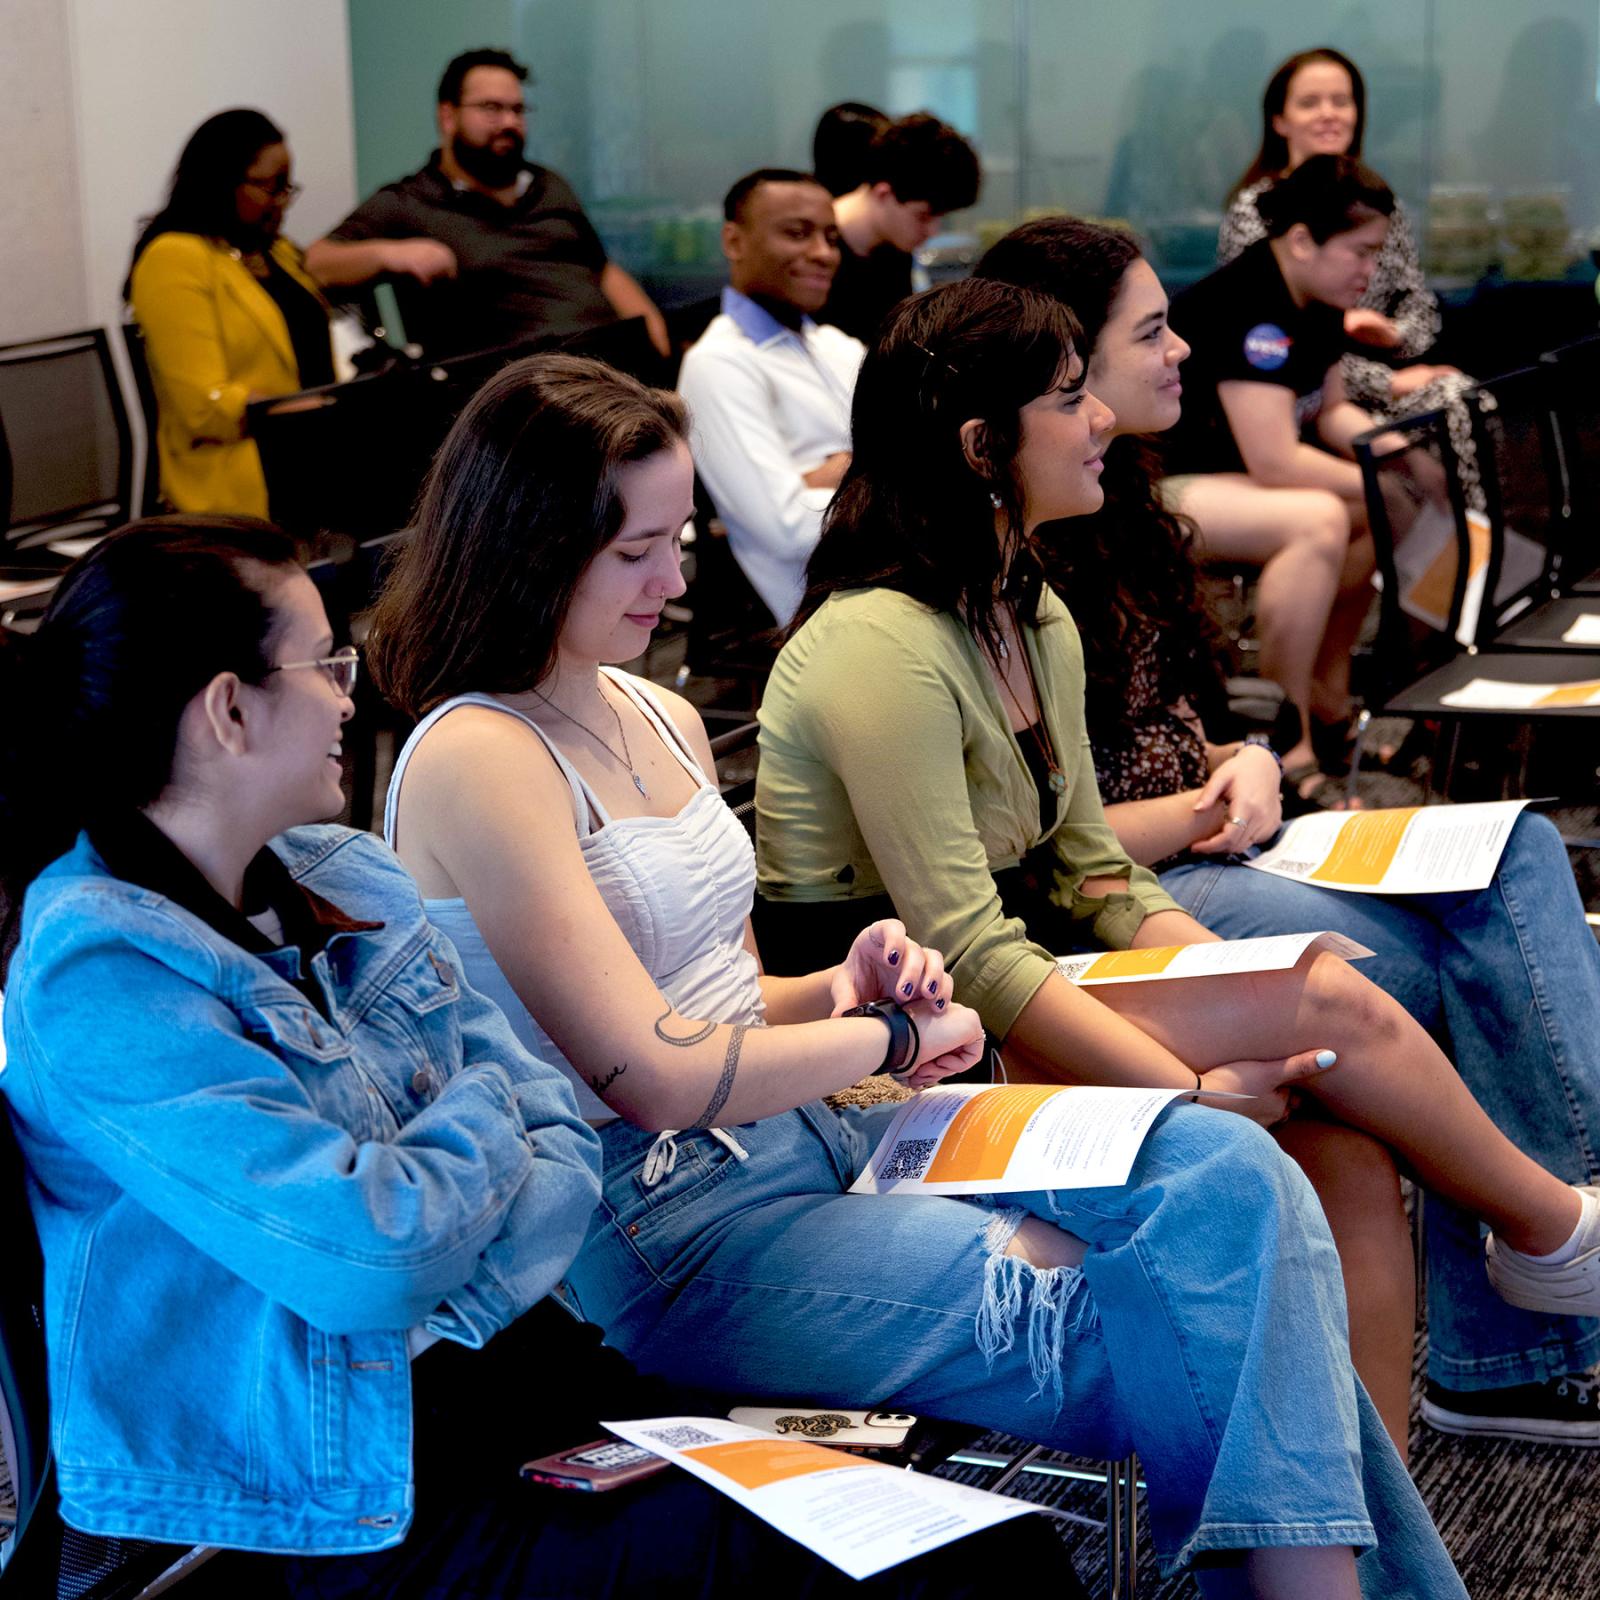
x: 69, y: 439
x: 1427, y: 654
x: 144, y: 387
x: 45, y: 1559
x: 1576, y: 367
x: 1527, y: 509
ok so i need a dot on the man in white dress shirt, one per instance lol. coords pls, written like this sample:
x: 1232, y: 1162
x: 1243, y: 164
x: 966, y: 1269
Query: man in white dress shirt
x: 769, y: 390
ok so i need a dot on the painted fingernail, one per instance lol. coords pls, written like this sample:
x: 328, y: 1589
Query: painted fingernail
x: 938, y: 1005
x: 908, y: 988
x: 1325, y: 1059
x: 933, y: 986
x: 894, y: 958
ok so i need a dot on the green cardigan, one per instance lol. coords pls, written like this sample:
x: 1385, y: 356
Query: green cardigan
x: 888, y: 764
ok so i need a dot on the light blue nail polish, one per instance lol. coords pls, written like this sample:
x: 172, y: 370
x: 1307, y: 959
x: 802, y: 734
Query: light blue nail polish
x: 1325, y: 1059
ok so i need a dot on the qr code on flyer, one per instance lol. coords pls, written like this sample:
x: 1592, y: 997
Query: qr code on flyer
x: 1300, y: 869
x: 908, y: 1159
x: 1073, y: 967
x: 679, y: 1438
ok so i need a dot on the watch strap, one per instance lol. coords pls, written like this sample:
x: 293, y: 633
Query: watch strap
x: 904, y: 1041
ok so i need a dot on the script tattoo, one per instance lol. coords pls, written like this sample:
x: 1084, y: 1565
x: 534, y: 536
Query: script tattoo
x: 604, y: 1082
x: 730, y: 1066
x: 682, y: 1044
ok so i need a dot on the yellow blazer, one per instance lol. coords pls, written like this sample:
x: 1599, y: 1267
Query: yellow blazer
x: 214, y: 337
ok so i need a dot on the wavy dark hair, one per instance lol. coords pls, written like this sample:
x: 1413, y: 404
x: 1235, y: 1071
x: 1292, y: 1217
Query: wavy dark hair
x: 1272, y: 159
x: 133, y: 632
x: 524, y: 492
x: 913, y: 514
x: 212, y: 165
x: 1126, y: 572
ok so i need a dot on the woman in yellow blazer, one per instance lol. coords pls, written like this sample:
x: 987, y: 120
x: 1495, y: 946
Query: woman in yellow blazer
x: 228, y: 312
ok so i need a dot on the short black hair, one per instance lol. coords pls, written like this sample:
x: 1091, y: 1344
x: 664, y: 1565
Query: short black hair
x: 737, y: 199
x: 1329, y: 194
x: 455, y: 75
x: 922, y: 158
x: 839, y: 146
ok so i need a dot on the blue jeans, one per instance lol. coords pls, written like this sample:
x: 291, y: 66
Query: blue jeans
x: 1508, y: 979
x: 1206, y: 1327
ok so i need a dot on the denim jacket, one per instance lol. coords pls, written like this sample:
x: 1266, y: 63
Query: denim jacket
x: 244, y: 1201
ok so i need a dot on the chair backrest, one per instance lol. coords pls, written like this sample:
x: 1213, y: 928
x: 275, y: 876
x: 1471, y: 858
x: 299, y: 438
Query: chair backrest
x: 71, y: 447
x: 1576, y: 400
x: 144, y: 387
x: 24, y: 1401
x: 350, y: 458
x: 1525, y: 493
x: 1424, y: 548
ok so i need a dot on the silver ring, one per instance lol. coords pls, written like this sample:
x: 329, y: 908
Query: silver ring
x: 1237, y: 822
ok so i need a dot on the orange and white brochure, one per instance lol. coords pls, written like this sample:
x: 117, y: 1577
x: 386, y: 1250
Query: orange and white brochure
x: 1273, y: 954
x: 1405, y: 850
x: 860, y: 1515
x: 1495, y: 694
x: 995, y: 1139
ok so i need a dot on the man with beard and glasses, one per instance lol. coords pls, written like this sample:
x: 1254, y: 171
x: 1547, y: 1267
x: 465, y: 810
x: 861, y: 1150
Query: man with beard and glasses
x: 487, y: 248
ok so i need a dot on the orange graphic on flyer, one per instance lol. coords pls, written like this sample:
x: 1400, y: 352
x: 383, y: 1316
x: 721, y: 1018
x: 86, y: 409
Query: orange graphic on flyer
x: 983, y: 1134
x: 754, y: 1463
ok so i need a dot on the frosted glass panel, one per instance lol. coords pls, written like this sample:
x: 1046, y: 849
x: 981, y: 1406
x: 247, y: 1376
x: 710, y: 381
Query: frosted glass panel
x: 1482, y: 111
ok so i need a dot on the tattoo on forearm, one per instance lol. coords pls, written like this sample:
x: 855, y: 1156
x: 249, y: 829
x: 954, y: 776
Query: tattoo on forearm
x: 682, y: 1044
x: 605, y: 1080
x: 730, y: 1067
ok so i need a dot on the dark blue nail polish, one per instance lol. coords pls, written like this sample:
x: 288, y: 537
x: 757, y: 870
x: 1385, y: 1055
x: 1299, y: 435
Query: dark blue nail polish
x: 894, y: 958
x: 938, y: 1005
x: 933, y: 986
x: 908, y: 988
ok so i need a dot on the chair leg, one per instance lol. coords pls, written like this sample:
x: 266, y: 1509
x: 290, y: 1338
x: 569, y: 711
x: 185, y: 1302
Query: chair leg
x: 1122, y: 1528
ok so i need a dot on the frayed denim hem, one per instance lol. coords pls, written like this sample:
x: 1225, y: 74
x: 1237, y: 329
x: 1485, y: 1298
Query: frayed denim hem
x: 1236, y: 1538
x: 1059, y: 1306
x: 1528, y: 1366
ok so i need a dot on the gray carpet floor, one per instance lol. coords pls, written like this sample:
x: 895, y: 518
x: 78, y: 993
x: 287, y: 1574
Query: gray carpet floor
x: 1522, y: 1521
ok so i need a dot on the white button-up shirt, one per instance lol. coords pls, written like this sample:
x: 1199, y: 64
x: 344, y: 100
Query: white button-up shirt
x: 766, y: 404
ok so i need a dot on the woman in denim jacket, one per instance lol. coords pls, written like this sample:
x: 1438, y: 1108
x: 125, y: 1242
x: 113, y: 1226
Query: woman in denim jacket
x: 277, y: 1148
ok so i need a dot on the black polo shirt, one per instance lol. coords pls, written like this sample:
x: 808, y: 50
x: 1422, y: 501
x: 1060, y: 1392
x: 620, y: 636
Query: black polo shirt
x: 866, y: 289
x: 1243, y: 326
x: 528, y: 271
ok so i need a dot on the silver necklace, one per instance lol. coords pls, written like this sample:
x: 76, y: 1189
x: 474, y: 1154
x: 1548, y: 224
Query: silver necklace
x: 626, y: 758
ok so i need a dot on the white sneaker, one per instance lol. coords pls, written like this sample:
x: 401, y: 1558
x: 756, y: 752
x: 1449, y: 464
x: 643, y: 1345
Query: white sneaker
x: 1571, y: 1288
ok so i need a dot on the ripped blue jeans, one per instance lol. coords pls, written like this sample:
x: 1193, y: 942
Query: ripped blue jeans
x: 1206, y: 1328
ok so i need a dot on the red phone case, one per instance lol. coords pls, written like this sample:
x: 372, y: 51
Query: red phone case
x: 597, y: 1466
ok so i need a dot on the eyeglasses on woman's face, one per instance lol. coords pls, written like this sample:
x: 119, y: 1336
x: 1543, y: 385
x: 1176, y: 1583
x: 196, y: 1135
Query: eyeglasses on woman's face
x: 340, y: 668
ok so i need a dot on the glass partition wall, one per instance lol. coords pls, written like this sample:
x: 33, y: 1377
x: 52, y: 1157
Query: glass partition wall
x: 1481, y: 113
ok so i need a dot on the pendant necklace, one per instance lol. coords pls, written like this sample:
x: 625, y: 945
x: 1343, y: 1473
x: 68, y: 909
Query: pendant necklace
x: 625, y: 759
x: 1036, y: 730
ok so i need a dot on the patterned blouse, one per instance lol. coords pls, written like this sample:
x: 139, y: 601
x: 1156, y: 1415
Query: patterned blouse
x: 1162, y: 749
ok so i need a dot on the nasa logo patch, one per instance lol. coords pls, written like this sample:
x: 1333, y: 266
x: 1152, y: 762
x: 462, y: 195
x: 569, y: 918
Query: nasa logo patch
x: 1266, y: 347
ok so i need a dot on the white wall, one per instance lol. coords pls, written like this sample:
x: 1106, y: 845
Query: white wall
x: 146, y: 72
x: 43, y: 287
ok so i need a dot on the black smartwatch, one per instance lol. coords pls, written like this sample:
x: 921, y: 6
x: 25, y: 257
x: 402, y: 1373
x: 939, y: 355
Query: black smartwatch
x: 904, y: 1042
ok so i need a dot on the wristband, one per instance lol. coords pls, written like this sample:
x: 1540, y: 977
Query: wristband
x: 904, y: 1041
x: 1261, y: 740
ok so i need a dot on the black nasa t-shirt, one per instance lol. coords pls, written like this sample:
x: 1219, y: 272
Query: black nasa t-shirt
x: 1243, y: 326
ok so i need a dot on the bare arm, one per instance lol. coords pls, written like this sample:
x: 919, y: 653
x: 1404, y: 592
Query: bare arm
x: 349, y: 261
x: 1244, y: 784
x: 1261, y: 416
x: 629, y: 300
x: 830, y: 474
x: 484, y: 801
